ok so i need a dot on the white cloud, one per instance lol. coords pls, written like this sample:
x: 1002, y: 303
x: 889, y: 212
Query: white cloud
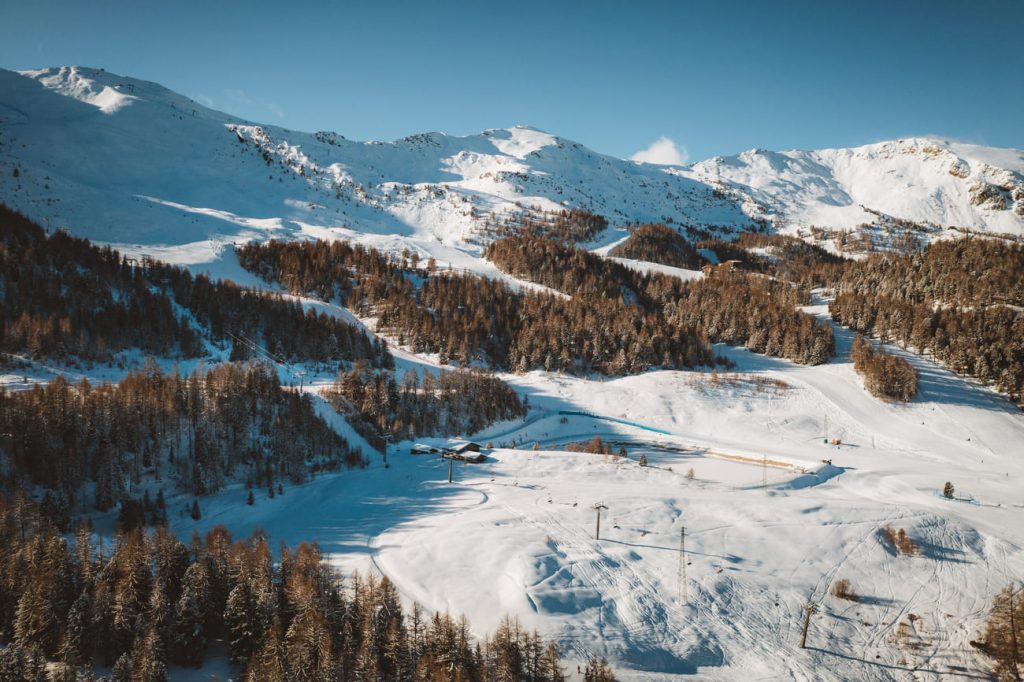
x: 663, y: 152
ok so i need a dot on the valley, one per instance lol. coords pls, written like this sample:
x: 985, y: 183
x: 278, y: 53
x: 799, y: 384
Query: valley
x: 737, y: 489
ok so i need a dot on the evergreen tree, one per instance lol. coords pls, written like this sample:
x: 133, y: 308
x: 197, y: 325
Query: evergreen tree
x: 122, y: 671
x: 1004, y: 633
x: 37, y: 621
x: 241, y: 620
x: 76, y: 647
x: 598, y: 670
x: 190, y: 616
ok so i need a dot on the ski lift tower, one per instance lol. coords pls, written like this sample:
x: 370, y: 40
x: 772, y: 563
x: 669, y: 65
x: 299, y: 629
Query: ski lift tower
x: 597, y: 530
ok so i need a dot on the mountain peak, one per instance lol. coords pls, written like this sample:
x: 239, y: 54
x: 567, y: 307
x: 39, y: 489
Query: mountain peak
x: 115, y: 159
x: 111, y: 92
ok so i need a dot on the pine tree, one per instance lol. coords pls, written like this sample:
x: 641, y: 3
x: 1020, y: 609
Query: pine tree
x: 550, y: 666
x: 76, y: 646
x: 36, y: 622
x: 13, y: 664
x: 267, y: 664
x: 1004, y: 633
x: 122, y: 671
x: 195, y: 513
x: 240, y: 618
x: 148, y: 659
x: 598, y: 670
x: 190, y: 616
x: 159, y: 517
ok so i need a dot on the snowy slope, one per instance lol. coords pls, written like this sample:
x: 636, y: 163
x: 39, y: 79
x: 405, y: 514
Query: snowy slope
x: 917, y: 179
x: 128, y: 162
x: 516, y: 534
x: 124, y: 161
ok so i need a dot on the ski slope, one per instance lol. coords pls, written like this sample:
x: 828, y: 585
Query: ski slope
x: 769, y: 524
x: 516, y: 534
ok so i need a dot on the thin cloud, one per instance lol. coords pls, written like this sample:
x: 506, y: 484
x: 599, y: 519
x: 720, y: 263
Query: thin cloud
x: 241, y: 97
x: 663, y: 152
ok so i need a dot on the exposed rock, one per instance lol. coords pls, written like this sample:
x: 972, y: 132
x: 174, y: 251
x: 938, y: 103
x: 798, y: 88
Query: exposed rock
x: 988, y: 196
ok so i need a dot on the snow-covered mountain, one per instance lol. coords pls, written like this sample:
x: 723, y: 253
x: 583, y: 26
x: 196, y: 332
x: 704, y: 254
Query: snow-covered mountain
x: 129, y: 162
x: 923, y: 180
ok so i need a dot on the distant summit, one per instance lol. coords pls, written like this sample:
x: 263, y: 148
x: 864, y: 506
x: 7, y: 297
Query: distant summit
x: 127, y: 161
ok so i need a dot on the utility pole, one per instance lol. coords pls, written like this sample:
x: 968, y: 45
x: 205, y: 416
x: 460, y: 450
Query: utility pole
x: 681, y: 587
x: 450, y: 462
x: 597, y: 531
x: 826, y: 427
x: 386, y: 436
x: 1013, y: 638
x: 809, y: 608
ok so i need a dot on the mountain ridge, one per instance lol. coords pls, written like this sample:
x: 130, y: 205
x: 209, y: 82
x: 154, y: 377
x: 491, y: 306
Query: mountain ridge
x: 130, y: 162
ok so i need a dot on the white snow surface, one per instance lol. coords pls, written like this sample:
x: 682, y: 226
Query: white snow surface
x: 130, y: 163
x: 127, y: 162
x: 924, y: 180
x: 133, y: 164
x: 770, y: 525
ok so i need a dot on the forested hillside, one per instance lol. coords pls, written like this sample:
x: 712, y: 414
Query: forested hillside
x: 456, y: 402
x: 885, y: 375
x: 959, y: 301
x: 150, y: 601
x: 196, y: 431
x: 727, y: 306
x: 571, y: 225
x: 65, y: 298
x: 467, y: 318
x: 658, y: 243
x: 781, y: 256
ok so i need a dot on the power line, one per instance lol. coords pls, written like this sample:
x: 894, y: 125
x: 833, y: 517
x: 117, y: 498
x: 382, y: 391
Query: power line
x: 267, y: 355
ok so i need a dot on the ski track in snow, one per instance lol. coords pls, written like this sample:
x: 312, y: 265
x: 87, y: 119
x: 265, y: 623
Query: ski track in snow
x: 515, y: 534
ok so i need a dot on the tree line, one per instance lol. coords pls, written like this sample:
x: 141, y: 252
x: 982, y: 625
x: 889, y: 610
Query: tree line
x: 561, y: 266
x: 781, y: 256
x: 197, y: 431
x: 885, y: 375
x: 727, y: 306
x: 453, y: 402
x: 957, y: 300
x: 658, y: 243
x: 65, y: 298
x: 465, y: 318
x: 571, y: 225
x: 150, y: 601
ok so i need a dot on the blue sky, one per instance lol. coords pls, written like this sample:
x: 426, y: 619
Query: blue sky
x: 712, y: 78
